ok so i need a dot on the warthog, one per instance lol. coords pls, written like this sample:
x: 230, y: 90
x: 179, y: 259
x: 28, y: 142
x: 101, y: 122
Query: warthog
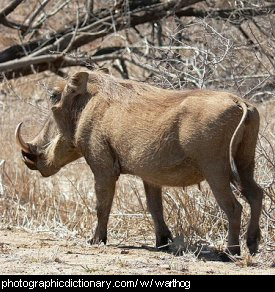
x: 166, y: 137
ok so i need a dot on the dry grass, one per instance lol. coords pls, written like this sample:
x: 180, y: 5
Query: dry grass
x: 65, y: 202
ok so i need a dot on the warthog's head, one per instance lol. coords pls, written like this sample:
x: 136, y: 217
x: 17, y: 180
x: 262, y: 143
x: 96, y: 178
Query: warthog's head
x: 54, y: 146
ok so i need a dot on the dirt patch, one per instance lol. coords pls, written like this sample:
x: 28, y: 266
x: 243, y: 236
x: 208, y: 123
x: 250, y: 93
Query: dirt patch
x: 23, y: 252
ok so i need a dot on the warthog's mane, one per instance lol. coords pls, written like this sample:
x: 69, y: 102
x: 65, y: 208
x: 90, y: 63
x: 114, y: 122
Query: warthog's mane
x: 126, y: 91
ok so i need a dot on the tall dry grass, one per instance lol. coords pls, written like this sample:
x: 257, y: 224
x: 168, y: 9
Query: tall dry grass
x: 65, y: 202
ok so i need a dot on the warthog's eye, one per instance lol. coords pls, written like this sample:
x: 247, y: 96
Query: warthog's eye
x: 55, y: 97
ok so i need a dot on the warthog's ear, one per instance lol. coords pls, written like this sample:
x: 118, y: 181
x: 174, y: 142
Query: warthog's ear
x: 79, y: 81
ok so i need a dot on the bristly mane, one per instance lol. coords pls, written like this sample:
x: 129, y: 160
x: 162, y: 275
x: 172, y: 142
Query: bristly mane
x: 123, y: 91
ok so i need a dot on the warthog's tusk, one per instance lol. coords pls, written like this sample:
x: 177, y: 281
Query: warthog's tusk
x: 26, y: 159
x: 23, y: 145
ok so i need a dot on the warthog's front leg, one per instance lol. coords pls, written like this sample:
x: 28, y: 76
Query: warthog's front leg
x: 104, y: 190
x: 154, y: 201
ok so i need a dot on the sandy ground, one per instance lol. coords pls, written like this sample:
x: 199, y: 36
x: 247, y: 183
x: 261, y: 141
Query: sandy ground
x: 23, y: 252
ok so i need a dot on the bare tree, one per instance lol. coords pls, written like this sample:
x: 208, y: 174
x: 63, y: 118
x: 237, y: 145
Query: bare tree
x: 192, y: 43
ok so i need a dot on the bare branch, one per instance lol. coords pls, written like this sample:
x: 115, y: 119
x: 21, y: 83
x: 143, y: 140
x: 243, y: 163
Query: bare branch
x: 235, y: 16
x: 104, y: 23
x: 6, y: 11
x: 35, y: 14
x: 75, y: 32
x: 53, y: 63
x: 10, y: 8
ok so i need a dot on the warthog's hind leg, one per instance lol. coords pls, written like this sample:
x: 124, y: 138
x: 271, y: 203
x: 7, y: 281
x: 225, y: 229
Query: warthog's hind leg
x: 254, y: 196
x: 154, y: 202
x: 219, y: 182
x: 245, y: 161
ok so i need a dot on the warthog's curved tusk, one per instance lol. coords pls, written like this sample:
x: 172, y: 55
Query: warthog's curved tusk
x: 23, y: 145
x: 27, y: 160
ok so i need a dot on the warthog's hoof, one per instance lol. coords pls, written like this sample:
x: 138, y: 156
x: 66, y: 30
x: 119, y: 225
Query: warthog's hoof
x: 225, y: 257
x: 229, y: 254
x: 253, y: 247
x: 163, y: 243
x: 97, y: 240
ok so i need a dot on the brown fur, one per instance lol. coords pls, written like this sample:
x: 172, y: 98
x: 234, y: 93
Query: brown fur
x: 168, y: 138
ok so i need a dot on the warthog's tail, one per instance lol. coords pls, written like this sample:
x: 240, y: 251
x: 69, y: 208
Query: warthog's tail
x: 235, y: 173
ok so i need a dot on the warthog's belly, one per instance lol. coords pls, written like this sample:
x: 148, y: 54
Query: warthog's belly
x: 183, y: 174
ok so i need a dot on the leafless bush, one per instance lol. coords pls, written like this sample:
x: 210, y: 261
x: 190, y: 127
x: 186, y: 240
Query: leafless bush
x: 210, y: 58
